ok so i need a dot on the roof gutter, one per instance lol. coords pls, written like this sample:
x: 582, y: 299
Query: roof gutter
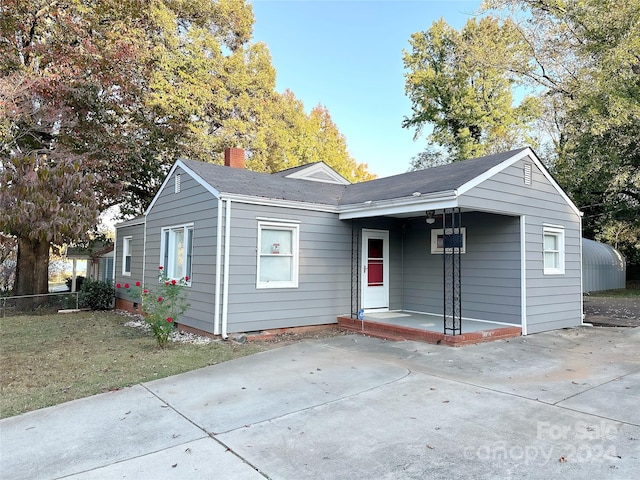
x: 415, y: 203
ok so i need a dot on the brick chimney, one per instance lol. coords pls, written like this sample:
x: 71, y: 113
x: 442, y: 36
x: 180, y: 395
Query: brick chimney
x: 234, y: 157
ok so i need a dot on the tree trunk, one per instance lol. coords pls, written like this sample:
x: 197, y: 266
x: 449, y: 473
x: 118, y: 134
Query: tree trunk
x: 32, y: 267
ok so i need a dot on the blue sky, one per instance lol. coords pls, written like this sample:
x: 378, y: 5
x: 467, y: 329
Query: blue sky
x: 347, y: 55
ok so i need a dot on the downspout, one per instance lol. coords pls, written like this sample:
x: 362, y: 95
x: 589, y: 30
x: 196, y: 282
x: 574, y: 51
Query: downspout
x: 523, y: 274
x: 581, y: 272
x: 144, y: 251
x: 216, y: 314
x: 225, y: 292
x: 115, y: 256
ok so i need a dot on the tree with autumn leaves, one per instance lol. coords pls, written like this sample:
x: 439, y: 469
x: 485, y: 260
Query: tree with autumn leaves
x: 579, y: 62
x: 97, y: 99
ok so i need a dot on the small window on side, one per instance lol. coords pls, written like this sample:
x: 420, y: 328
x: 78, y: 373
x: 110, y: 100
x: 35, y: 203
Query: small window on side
x: 553, y: 250
x: 126, y: 256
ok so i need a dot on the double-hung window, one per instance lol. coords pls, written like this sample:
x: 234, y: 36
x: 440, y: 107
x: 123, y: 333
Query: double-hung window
x: 277, y: 255
x: 177, y: 251
x: 126, y: 256
x: 553, y: 250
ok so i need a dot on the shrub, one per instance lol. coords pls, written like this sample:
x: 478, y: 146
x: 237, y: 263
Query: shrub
x: 97, y: 295
x: 162, y: 305
x: 79, y: 282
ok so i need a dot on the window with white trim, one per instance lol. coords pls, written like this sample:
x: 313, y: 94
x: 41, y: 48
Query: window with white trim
x: 176, y: 249
x: 553, y: 250
x: 126, y: 256
x: 277, y: 255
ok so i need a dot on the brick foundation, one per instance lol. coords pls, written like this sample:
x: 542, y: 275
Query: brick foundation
x: 400, y: 333
x: 128, y: 306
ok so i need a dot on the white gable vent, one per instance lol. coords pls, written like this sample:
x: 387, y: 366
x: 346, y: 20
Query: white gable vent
x: 527, y: 174
x: 177, y: 183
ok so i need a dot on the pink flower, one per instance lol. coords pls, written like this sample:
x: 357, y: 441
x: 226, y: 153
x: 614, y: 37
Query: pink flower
x: 118, y: 285
x: 145, y: 291
x: 160, y: 267
x: 126, y: 285
x: 159, y: 299
x: 137, y: 284
x: 186, y: 278
x: 166, y: 283
x: 173, y: 282
x: 169, y: 319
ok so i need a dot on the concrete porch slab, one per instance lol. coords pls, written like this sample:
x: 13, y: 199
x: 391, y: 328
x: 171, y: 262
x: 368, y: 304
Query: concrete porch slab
x: 399, y: 326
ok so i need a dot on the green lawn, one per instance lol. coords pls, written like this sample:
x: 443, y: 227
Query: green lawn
x: 46, y: 360
x: 632, y: 290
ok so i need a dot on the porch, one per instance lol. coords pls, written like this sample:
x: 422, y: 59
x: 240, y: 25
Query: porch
x: 400, y: 325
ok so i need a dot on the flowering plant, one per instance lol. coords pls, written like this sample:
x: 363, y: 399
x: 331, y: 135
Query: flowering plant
x: 162, y: 306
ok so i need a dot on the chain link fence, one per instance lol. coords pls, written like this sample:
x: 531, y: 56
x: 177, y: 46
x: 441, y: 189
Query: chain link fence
x: 41, y: 304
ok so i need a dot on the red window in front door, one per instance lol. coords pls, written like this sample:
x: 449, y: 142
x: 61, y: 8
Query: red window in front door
x: 375, y: 263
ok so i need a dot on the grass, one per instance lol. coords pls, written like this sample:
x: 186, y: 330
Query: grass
x: 47, y: 360
x: 632, y: 290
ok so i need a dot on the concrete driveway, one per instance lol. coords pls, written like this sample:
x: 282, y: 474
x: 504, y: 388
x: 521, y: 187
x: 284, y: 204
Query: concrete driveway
x: 562, y: 404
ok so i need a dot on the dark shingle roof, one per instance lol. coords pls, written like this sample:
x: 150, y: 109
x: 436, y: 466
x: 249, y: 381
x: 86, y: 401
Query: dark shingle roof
x: 275, y: 186
x: 244, y: 182
x: 431, y: 180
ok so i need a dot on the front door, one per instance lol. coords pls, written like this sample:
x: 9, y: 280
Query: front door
x: 375, y: 269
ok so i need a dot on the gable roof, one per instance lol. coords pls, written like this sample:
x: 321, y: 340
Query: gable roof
x: 314, y: 172
x: 237, y: 181
x: 436, y: 187
x: 444, y: 178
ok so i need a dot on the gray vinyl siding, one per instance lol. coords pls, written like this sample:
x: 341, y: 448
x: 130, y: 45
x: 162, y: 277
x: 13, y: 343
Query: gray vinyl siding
x: 552, y: 301
x: 192, y: 205
x: 136, y: 232
x: 490, y: 268
x: 324, y: 289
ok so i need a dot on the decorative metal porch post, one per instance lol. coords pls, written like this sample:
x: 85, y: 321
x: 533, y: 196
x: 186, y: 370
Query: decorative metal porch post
x: 451, y: 270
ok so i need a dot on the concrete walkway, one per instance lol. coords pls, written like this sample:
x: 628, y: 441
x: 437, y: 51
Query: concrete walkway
x: 562, y: 404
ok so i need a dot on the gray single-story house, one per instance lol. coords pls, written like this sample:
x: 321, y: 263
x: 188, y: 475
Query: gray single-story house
x: 492, y: 239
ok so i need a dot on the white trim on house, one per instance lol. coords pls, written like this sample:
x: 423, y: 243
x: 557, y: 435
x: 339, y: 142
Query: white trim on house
x: 168, y: 249
x: 169, y: 177
x: 527, y: 152
x: 422, y: 203
x: 274, y: 202
x: 216, y: 308
x: 558, y: 233
x: 126, y: 252
x: 294, y: 229
x: 225, y: 280
x: 367, y: 298
x: 319, y: 168
x: 130, y: 223
x: 523, y: 274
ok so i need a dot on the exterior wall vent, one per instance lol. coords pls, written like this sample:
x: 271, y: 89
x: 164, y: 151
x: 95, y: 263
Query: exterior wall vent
x: 177, y: 183
x: 527, y: 174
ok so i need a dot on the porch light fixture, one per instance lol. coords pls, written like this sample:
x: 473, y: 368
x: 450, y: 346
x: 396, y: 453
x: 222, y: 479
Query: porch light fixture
x: 430, y: 219
x: 416, y: 194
